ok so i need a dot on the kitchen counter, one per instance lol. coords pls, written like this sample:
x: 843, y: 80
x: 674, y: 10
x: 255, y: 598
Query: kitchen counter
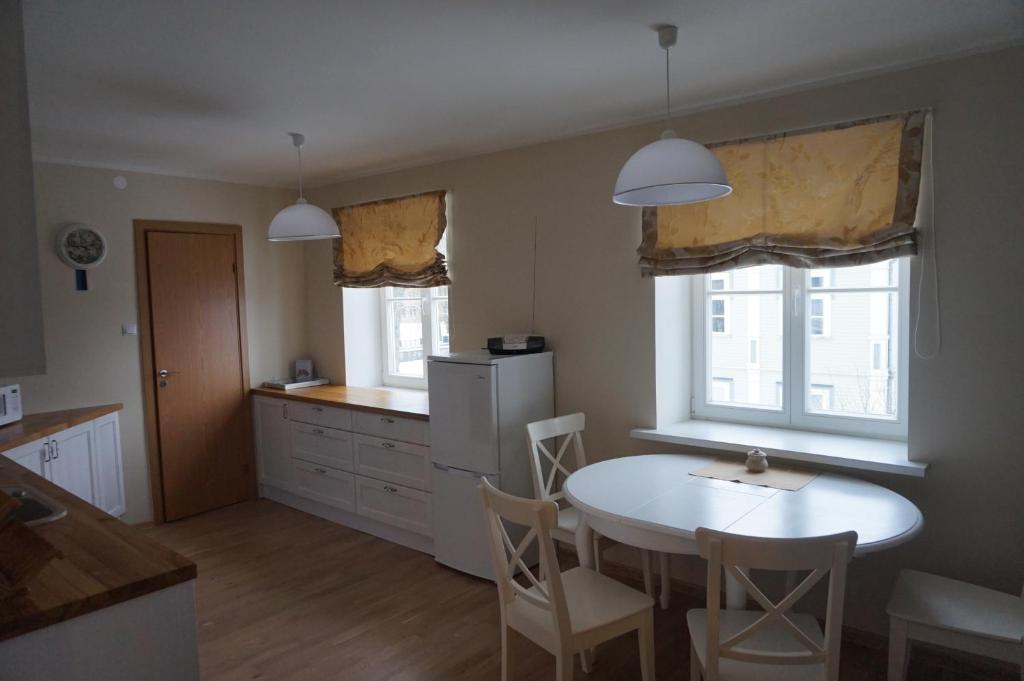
x: 105, y: 562
x: 36, y: 426
x: 390, y: 401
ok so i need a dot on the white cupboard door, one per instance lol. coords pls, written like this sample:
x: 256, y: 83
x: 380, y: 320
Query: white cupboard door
x: 394, y: 505
x: 108, y: 475
x: 32, y: 456
x: 71, y: 461
x: 273, y: 442
x: 464, y: 416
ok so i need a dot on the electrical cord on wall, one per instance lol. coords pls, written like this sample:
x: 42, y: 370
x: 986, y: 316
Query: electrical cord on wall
x: 930, y: 247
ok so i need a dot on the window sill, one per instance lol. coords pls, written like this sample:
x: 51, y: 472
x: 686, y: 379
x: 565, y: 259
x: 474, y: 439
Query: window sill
x: 844, y: 451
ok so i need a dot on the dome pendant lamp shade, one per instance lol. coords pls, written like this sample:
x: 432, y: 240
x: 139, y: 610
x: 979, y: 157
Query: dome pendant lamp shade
x: 302, y: 221
x: 670, y: 171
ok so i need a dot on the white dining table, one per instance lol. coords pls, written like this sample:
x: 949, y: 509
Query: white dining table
x: 652, y: 502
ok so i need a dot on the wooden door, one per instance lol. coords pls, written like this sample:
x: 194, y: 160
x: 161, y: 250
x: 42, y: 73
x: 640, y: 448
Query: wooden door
x: 198, y: 369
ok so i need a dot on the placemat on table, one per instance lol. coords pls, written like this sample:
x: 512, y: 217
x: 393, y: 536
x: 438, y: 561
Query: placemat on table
x: 779, y: 478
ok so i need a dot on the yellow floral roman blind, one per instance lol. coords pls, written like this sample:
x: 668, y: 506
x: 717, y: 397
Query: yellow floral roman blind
x: 391, y: 243
x: 831, y: 197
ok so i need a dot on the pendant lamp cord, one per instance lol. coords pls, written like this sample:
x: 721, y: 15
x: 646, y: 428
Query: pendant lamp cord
x: 930, y: 248
x: 668, y: 98
x: 298, y: 148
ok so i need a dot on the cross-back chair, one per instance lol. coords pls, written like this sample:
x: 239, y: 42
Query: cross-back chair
x: 773, y: 643
x: 565, y: 613
x: 549, y: 468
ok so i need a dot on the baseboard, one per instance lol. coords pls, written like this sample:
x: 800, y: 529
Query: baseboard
x: 933, y: 656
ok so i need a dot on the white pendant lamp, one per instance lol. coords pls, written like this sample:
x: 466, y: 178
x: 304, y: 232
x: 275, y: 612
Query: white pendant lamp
x: 670, y: 171
x: 301, y: 221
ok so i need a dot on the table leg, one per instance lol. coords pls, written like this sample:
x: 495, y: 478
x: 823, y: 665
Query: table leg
x: 735, y: 593
x: 585, y: 553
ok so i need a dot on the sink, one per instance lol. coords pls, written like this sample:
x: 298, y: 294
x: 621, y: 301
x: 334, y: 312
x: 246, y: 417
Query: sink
x: 36, y: 508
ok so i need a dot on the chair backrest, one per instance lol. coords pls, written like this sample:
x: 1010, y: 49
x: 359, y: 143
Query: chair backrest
x: 547, y: 483
x: 821, y: 555
x: 537, y: 517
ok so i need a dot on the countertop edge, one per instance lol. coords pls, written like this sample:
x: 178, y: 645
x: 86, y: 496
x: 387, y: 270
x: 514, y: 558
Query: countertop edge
x: 327, y: 402
x: 74, y: 418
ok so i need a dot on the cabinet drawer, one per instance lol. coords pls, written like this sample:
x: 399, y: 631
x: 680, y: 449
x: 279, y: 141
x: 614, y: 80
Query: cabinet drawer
x: 325, y: 446
x: 395, y: 505
x: 394, y: 461
x: 318, y: 415
x: 326, y: 485
x: 391, y: 427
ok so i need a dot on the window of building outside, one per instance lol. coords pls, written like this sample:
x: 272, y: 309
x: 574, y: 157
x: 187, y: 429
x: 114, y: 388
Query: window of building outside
x: 415, y: 325
x: 822, y: 349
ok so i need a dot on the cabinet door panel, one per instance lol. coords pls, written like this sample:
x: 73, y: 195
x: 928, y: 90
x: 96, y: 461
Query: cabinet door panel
x: 395, y: 505
x: 32, y: 456
x: 273, y: 442
x: 108, y: 476
x: 325, y: 446
x: 71, y: 461
x: 394, y: 461
x: 326, y: 485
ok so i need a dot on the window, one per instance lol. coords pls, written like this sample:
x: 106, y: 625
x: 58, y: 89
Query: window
x: 721, y: 389
x: 415, y: 325
x: 813, y: 349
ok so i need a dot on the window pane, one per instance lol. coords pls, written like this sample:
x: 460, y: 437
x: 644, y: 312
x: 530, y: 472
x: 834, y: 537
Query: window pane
x: 405, y: 345
x: 440, y: 324
x: 853, y: 369
x: 397, y: 292
x: 744, y: 346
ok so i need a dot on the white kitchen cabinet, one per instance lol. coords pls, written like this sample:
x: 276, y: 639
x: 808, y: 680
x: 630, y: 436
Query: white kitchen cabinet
x: 71, y: 461
x: 364, y: 469
x: 84, y: 460
x: 32, y: 456
x: 273, y: 442
x: 108, y: 478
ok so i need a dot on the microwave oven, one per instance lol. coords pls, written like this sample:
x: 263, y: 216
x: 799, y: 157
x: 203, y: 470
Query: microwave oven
x: 10, y: 404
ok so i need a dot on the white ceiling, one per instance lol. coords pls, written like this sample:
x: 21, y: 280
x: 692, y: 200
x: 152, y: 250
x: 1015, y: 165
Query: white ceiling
x: 209, y: 88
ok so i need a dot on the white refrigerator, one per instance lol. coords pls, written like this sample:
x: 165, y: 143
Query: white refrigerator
x: 479, y: 407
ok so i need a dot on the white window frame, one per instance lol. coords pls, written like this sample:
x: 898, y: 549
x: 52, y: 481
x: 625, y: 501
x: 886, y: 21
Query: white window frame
x: 794, y: 412
x: 429, y: 297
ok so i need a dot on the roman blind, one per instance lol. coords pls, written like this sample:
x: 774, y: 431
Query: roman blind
x: 830, y: 197
x: 391, y: 243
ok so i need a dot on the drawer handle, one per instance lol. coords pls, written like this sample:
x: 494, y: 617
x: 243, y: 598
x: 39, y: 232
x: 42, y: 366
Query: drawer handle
x: 385, y: 419
x: 392, y: 490
x: 320, y: 470
x: 318, y: 431
x: 318, y: 408
x: 388, y: 445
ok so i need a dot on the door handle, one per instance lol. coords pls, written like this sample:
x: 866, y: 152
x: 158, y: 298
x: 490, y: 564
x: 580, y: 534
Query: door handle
x: 391, y: 490
x: 388, y: 445
x: 164, y: 373
x: 56, y: 449
x: 46, y: 452
x: 384, y: 419
x: 318, y: 431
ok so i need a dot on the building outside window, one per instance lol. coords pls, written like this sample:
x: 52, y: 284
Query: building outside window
x: 813, y: 349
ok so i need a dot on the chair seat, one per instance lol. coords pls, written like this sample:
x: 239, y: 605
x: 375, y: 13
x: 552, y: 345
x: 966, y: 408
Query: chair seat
x: 773, y: 638
x: 593, y: 601
x: 568, y: 521
x: 945, y: 603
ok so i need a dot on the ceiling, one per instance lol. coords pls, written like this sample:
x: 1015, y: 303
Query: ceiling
x: 209, y: 89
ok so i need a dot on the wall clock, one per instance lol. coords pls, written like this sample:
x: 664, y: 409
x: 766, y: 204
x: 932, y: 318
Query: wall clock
x: 81, y: 247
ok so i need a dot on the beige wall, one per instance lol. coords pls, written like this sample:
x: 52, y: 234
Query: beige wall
x: 89, y: 361
x: 598, y: 313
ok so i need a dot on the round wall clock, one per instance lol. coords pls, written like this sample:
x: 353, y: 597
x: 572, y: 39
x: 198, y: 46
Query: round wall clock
x: 81, y: 247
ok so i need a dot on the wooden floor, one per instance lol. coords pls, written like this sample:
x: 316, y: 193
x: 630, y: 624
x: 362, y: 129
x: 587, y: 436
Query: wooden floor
x: 287, y: 596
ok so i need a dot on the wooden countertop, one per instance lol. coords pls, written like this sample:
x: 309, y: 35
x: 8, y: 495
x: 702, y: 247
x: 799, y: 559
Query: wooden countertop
x: 390, y: 401
x: 105, y: 562
x: 35, y: 426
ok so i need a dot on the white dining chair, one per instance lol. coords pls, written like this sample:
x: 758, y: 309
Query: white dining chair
x: 549, y: 470
x: 773, y: 644
x: 565, y: 613
x: 954, y: 614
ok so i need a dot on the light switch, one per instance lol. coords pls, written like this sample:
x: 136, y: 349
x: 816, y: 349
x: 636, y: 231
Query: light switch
x: 129, y: 329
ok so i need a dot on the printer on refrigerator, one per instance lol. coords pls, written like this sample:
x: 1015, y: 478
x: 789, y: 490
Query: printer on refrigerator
x: 479, y: 407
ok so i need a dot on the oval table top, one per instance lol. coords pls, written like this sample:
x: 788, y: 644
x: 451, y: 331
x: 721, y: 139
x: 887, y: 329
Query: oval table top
x: 655, y: 492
